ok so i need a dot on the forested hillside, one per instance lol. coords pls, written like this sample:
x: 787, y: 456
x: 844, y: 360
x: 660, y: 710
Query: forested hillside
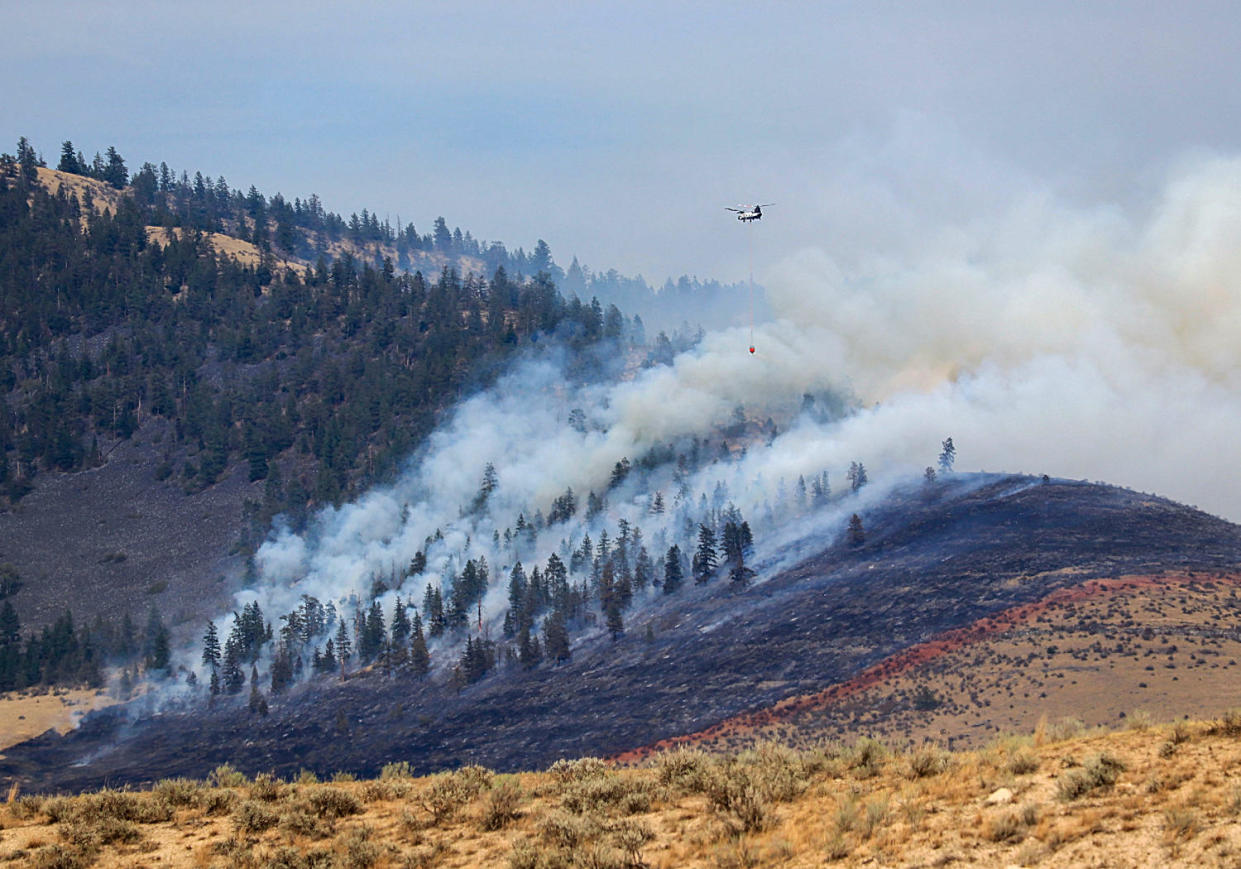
x: 319, y: 378
x: 209, y: 337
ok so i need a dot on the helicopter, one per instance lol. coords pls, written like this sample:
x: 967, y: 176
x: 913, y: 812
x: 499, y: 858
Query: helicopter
x: 750, y: 212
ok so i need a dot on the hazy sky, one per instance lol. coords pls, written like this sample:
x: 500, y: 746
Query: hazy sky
x: 619, y: 131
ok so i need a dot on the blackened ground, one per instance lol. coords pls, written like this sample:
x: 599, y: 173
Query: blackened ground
x: 934, y: 559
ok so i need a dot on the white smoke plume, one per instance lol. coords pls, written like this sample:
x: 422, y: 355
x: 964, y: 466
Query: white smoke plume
x: 1098, y: 344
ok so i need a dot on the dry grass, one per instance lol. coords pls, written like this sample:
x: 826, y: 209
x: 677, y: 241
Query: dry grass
x: 1097, y: 798
x: 26, y: 714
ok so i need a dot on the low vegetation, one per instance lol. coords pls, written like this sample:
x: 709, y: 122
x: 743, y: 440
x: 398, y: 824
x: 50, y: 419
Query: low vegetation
x: 1061, y: 796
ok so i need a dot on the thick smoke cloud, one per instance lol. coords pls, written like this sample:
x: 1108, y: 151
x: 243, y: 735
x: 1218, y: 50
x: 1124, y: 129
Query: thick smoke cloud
x: 1083, y: 343
x: 1091, y: 344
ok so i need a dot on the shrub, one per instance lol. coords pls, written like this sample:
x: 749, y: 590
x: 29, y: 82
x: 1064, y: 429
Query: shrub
x: 776, y: 770
x: 88, y: 835
x: 1100, y: 772
x: 501, y: 806
x: 1065, y: 728
x: 568, y: 831
x: 1229, y: 724
x: 179, y: 791
x: 225, y: 776
x: 450, y: 791
x: 1006, y: 828
x: 329, y: 802
x: 361, y: 849
x: 567, y: 771
x: 609, y: 793
x: 119, y: 805
x: 1023, y: 762
x: 253, y: 816
x: 59, y: 857
x: 1180, y: 823
x: 266, y: 787
x: 867, y: 756
x: 848, y: 813
x: 836, y: 848
x: 734, y: 793
x: 685, y: 768
x: 382, y: 790
x: 218, y: 801
x: 398, y: 769
x: 876, y: 813
x: 297, y: 821
x: 24, y: 808
x: 927, y: 761
x: 475, y: 779
x: 630, y: 837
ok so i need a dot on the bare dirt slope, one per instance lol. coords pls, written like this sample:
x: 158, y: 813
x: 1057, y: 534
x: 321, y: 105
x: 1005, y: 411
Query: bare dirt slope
x: 113, y: 539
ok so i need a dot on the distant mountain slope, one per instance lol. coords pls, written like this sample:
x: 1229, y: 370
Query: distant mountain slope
x: 932, y: 562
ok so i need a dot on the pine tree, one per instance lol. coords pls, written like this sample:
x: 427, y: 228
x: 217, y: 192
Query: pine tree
x: 69, y: 159
x: 232, y: 675
x: 705, y: 558
x: 556, y: 637
x: 343, y: 646
x: 419, y: 657
x: 947, y: 456
x: 857, y: 475
x: 615, y: 621
x: 257, y: 704
x: 857, y: 535
x: 672, y: 570
x: 211, y: 647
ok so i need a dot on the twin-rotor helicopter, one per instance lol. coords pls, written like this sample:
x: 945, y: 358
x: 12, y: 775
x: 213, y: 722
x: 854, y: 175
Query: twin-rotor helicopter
x: 746, y: 213
x: 750, y: 212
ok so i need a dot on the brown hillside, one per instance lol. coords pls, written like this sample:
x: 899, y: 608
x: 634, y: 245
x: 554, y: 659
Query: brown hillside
x: 1161, y: 645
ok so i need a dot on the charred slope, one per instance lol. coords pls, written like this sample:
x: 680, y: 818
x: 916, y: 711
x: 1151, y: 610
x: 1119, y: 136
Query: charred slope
x: 931, y: 562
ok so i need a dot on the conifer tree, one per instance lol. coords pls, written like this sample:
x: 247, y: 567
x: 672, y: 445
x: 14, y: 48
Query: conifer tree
x: 419, y: 657
x: 947, y: 456
x: 856, y: 534
x: 211, y: 647
x: 705, y: 558
x: 672, y: 570
x: 556, y: 637
x: 343, y: 646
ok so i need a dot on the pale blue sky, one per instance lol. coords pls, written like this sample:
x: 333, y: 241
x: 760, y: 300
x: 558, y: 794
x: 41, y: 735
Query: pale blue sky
x: 619, y: 131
